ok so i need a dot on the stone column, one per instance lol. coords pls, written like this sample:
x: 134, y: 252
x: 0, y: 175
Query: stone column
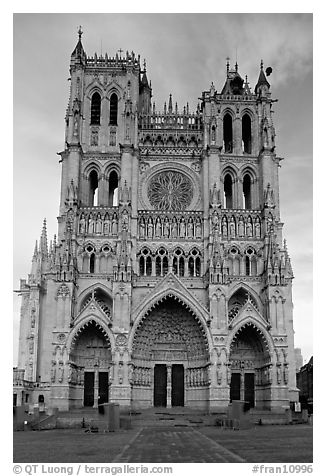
x: 169, y: 386
x: 96, y: 379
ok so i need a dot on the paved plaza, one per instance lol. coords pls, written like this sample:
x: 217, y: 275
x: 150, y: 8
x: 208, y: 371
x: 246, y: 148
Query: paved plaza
x: 167, y: 444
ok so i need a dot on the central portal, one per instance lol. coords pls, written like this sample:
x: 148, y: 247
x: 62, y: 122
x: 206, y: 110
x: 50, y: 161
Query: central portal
x: 168, y: 385
x: 170, y: 358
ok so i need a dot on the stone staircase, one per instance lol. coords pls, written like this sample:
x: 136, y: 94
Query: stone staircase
x: 161, y: 417
x: 176, y: 416
x: 82, y: 418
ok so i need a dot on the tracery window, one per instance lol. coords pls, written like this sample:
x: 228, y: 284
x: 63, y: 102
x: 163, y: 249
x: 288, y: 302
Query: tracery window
x: 145, y: 263
x: 178, y: 263
x: 161, y: 262
x: 170, y: 191
x: 194, y: 263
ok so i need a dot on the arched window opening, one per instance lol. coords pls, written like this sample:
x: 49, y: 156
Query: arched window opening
x: 191, y: 266
x: 96, y: 109
x: 247, y: 192
x: 228, y: 199
x: 113, y: 110
x: 93, y: 189
x: 246, y: 134
x: 148, y: 264
x: 142, y: 266
x: 165, y: 265
x: 41, y: 398
x: 253, y: 267
x: 92, y: 263
x: 175, y: 266
x: 236, y: 266
x: 181, y: 266
x: 158, y: 266
x: 197, y: 266
x: 247, y: 266
x: 213, y: 134
x: 227, y: 134
x: 113, y: 189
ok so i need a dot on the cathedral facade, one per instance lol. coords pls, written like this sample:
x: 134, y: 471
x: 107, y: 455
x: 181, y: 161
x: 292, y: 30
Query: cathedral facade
x: 169, y: 283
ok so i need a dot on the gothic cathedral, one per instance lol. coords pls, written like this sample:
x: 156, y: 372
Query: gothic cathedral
x: 169, y: 283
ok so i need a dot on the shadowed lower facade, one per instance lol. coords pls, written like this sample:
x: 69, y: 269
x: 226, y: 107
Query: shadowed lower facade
x: 169, y: 283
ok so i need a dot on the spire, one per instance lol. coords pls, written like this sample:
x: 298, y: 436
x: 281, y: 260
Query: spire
x: 262, y: 81
x: 35, y: 251
x: 170, y: 104
x: 79, y: 52
x: 227, y: 65
x: 234, y: 82
x: 44, y: 240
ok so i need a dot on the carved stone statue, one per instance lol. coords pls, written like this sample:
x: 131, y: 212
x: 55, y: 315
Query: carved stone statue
x: 257, y: 228
x: 150, y: 228
x: 166, y: 228
x: 82, y: 224
x: 249, y: 228
x: 114, y: 224
x: 158, y: 228
x: 198, y: 228
x: 182, y: 232
x: 174, y: 228
x: 241, y: 227
x: 190, y: 228
x: 232, y: 228
x: 142, y: 228
x: 98, y: 224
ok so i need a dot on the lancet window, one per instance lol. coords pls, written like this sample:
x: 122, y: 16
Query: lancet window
x: 228, y: 133
x: 246, y: 134
x: 93, y: 189
x: 113, y: 189
x: 96, y: 109
x: 247, y: 192
x: 113, y: 110
x: 228, y: 191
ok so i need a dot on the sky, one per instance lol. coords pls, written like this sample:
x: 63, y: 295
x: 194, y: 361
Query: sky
x: 184, y: 54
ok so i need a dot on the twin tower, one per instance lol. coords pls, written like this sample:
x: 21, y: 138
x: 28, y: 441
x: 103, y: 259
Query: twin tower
x: 169, y: 283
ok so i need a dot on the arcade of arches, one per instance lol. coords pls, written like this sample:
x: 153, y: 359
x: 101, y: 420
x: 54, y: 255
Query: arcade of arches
x: 170, y: 357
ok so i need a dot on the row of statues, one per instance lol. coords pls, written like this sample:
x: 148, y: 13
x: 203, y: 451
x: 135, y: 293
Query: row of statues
x: 99, y: 224
x: 235, y: 227
x: 197, y: 377
x: 141, y: 376
x: 170, y: 228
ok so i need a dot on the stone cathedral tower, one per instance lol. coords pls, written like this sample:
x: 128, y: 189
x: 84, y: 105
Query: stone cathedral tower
x: 169, y: 283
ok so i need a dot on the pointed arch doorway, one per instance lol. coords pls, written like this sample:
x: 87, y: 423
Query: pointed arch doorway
x: 250, y: 363
x: 91, y: 354
x: 170, y: 358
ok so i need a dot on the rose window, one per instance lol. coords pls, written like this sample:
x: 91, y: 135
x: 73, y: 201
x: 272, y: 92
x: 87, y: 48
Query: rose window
x: 170, y: 191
